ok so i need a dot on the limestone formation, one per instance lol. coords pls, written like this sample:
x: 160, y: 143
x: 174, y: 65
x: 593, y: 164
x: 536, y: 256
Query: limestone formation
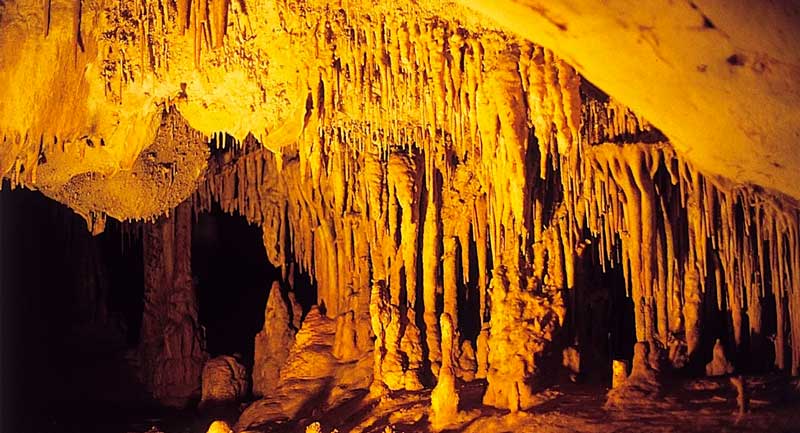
x: 523, y: 324
x: 719, y: 365
x: 508, y: 160
x: 272, y: 343
x: 482, y: 354
x: 467, y: 362
x: 224, y: 382
x: 640, y: 386
x: 219, y: 427
x: 345, y: 346
x: 619, y: 373
x: 571, y: 360
x: 172, y: 347
x: 444, y: 397
x: 439, y: 178
x: 742, y: 398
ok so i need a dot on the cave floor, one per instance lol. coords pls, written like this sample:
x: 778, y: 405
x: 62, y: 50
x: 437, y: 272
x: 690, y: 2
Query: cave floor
x: 703, y: 405
x: 700, y: 405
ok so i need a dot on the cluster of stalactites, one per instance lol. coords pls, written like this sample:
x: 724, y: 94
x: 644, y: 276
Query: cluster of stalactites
x: 680, y: 234
x: 418, y: 137
x: 423, y: 143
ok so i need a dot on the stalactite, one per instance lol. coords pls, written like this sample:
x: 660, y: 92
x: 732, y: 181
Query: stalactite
x: 430, y: 271
x: 501, y: 151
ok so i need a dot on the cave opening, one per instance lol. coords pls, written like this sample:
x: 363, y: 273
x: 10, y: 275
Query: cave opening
x: 232, y: 277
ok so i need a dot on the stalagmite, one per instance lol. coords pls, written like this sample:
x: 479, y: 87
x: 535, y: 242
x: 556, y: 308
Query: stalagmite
x: 641, y: 385
x: 482, y: 354
x: 272, y: 343
x: 719, y: 365
x: 619, y: 373
x: 444, y: 397
x: 467, y: 363
x: 345, y: 346
x: 430, y: 269
x: 219, y: 427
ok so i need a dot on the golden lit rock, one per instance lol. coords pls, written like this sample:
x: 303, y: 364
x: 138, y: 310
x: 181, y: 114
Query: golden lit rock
x: 453, y: 191
x: 272, y: 344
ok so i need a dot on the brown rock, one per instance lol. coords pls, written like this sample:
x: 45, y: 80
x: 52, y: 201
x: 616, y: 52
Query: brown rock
x: 719, y: 365
x: 171, y: 350
x: 224, y: 381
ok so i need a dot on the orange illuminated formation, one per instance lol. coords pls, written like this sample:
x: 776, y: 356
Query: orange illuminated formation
x: 469, y: 224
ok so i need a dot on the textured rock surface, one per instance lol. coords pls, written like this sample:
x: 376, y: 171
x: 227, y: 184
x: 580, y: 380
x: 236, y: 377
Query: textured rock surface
x: 417, y: 162
x: 641, y: 385
x: 224, y: 381
x: 312, y: 380
x: 272, y: 343
x: 678, y: 64
x: 219, y: 427
x: 172, y: 346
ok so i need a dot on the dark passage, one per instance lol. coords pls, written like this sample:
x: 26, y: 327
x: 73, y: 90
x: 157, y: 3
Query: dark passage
x: 71, y: 309
x: 232, y: 277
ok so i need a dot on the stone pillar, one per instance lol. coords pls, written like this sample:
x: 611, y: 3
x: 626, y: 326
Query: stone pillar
x: 272, y: 343
x: 171, y: 346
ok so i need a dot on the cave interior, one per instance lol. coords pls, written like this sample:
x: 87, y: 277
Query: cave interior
x: 413, y: 216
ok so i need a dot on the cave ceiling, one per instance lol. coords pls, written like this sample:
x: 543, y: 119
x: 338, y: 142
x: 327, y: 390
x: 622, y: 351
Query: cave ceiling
x: 87, y: 83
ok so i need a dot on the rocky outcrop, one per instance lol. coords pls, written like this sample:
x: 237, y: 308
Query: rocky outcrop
x: 306, y: 384
x: 224, y: 382
x: 272, y: 343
